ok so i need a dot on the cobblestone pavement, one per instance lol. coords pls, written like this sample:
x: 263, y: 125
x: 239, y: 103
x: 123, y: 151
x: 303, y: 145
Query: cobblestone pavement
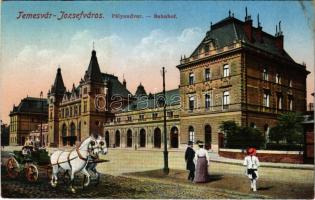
x: 128, y: 175
x: 115, y: 187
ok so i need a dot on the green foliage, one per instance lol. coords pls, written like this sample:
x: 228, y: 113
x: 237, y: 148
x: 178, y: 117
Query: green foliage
x: 241, y: 137
x: 276, y: 134
x: 289, y: 129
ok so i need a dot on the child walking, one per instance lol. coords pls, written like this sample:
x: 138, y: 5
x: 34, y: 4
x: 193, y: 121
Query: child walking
x: 252, y: 163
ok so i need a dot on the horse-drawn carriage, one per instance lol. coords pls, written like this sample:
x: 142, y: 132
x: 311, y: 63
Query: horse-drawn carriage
x: 83, y: 158
x: 28, y: 162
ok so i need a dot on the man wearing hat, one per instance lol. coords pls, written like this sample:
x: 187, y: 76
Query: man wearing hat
x: 252, y: 163
x: 189, y: 158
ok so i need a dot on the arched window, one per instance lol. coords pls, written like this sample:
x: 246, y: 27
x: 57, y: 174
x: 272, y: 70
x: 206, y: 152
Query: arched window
x: 142, y: 138
x: 107, y: 138
x: 157, y: 138
x: 174, y: 137
x: 117, y: 138
x: 129, y: 138
x: 72, y: 129
x: 191, y: 134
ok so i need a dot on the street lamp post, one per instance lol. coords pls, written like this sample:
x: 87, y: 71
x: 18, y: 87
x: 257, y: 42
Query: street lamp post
x: 165, y: 169
x: 41, y: 119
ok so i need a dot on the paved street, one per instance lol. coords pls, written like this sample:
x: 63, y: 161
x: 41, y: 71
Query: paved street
x: 136, y: 174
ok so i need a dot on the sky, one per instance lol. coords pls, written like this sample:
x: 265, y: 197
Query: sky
x: 136, y: 49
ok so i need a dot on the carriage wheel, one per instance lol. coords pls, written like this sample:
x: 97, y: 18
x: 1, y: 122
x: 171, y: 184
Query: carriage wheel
x: 12, y: 168
x: 31, y: 173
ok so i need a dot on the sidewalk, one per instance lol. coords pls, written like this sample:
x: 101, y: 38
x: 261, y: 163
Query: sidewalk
x: 214, y: 157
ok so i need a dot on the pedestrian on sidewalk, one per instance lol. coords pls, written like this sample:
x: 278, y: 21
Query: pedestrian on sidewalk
x: 189, y: 158
x: 202, y: 162
x: 252, y: 163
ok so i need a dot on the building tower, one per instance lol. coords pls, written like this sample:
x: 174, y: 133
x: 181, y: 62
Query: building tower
x: 94, y: 99
x: 55, y: 96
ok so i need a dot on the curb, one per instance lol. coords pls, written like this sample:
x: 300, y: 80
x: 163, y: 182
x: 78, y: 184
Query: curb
x: 269, y: 165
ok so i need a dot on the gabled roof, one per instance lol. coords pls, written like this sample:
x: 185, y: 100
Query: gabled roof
x: 31, y: 105
x: 115, y: 87
x: 154, y: 101
x: 230, y: 30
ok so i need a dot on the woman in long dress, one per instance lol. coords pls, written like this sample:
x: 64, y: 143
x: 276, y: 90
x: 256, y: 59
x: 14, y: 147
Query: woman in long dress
x: 202, y: 161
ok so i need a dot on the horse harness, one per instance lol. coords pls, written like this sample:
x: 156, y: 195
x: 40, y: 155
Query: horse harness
x: 68, y: 158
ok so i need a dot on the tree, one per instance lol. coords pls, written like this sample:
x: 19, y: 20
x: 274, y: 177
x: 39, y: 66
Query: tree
x: 241, y: 137
x: 276, y: 134
x: 288, y: 128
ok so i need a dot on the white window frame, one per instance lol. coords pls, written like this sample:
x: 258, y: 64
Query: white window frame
x: 266, y: 99
x: 225, y: 99
x: 191, y: 98
x: 265, y: 74
x: 226, y: 70
x: 191, y: 78
x: 278, y: 78
x: 191, y: 135
x: 290, y: 104
x: 279, y: 102
x: 207, y: 75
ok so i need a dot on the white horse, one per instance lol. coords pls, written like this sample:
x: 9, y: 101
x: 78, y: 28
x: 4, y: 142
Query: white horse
x: 74, y: 161
x: 101, y: 147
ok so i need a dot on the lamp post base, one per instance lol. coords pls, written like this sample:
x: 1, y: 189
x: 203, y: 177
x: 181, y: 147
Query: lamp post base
x: 166, y: 170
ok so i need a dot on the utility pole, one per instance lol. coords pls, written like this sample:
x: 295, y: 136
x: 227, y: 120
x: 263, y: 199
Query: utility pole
x: 165, y: 169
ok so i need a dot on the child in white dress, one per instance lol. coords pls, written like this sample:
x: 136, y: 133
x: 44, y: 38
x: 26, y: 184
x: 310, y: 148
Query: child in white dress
x: 252, y: 163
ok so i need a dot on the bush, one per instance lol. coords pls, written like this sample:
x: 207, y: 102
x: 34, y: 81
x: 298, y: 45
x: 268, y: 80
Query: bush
x: 284, y: 147
x: 241, y: 137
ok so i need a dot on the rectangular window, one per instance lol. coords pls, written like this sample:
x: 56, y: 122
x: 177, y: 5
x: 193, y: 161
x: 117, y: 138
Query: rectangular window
x: 226, y: 99
x: 207, y: 74
x: 154, y: 116
x: 226, y: 70
x: 191, y: 102
x: 265, y: 74
x: 207, y: 101
x: 290, y: 103
x: 266, y: 99
x: 170, y: 114
x: 191, y: 78
x: 141, y: 117
x: 118, y: 119
x: 129, y: 118
x: 278, y: 78
x: 279, y: 101
x: 290, y: 83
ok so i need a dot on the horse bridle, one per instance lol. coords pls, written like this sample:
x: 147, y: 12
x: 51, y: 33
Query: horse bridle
x: 90, y: 149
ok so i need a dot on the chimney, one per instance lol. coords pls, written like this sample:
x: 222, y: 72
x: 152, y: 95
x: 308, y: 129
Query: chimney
x: 259, y: 31
x: 124, y: 81
x: 248, y: 26
x: 279, y: 38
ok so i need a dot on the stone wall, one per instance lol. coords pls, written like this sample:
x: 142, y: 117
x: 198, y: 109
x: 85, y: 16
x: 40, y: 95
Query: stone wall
x: 266, y: 156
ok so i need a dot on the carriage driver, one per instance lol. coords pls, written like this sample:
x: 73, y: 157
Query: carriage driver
x: 28, y: 146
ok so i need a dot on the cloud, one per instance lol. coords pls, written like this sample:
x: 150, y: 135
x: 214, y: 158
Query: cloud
x: 33, y: 69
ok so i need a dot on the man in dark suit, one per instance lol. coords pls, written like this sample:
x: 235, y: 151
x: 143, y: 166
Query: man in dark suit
x: 189, y: 158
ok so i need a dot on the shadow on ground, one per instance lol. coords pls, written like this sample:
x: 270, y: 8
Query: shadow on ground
x: 237, y: 183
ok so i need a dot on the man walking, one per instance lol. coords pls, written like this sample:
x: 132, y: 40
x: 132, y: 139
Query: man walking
x: 189, y: 158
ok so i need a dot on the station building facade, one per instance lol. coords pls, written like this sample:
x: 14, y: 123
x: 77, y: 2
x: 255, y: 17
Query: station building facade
x: 238, y: 72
